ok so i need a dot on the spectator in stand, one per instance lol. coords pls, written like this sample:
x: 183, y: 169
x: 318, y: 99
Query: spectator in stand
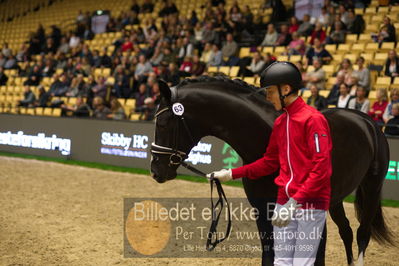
x: 324, y: 17
x: 294, y: 25
x: 296, y: 46
x: 6, y: 51
x: 147, y: 7
x: 316, y: 77
x: 318, y: 33
x: 255, y: 68
x: 284, y: 38
x: 74, y: 41
x: 344, y: 96
x: 360, y: 102
x: 270, y: 37
x: 127, y: 44
x: 305, y: 29
x: 198, y: 67
x: 358, y: 24
x: 353, y: 83
x: 338, y: 35
x: 100, y: 110
x: 117, y: 111
x: 76, y: 86
x: 392, y: 65
x: 11, y: 62
x: 140, y: 96
x: 186, y: 49
x: 332, y: 98
x: 390, y: 29
x: 60, y: 86
x: 229, y: 51
x: 22, y: 55
x: 344, y: 14
x: 2, y: 60
x: 318, y: 51
x: 316, y: 100
x: 29, y: 98
x: 34, y: 77
x: 168, y: 9
x: 100, y: 89
x: 3, y: 77
x: 121, y: 84
x: 135, y: 7
x: 185, y: 68
x: 392, y: 125
x: 216, y: 57
x: 363, y: 73
x: 346, y: 69
x: 378, y: 108
x: 143, y: 69
x: 388, y: 110
x: 80, y: 109
x: 209, y: 34
x: 171, y: 75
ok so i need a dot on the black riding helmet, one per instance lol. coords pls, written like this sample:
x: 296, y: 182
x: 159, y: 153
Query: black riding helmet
x: 279, y: 73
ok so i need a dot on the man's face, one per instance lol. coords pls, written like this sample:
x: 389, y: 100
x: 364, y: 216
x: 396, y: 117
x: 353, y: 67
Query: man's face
x: 273, y: 96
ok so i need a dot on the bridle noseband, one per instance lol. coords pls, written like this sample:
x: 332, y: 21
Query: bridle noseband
x: 177, y: 157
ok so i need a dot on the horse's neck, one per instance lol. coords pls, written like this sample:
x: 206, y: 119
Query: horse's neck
x: 245, y: 125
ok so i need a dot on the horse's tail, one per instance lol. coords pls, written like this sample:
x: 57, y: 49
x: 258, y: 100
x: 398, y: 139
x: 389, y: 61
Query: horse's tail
x: 377, y: 171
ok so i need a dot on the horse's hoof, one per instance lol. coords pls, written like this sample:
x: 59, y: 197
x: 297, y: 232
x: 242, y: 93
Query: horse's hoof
x: 360, y: 260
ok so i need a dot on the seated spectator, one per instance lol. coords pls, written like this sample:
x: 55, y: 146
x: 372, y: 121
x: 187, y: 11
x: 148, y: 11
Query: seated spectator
x: 284, y: 38
x: 117, y: 111
x: 48, y: 69
x: 229, y: 51
x: 358, y: 26
x: 185, y: 68
x: 198, y: 67
x: 3, y: 60
x: 186, y: 49
x: 296, y: 46
x: 388, y: 110
x: 209, y: 34
x: 170, y: 74
x: 147, y: 7
x: 100, y: 110
x: 140, y: 96
x: 378, y: 108
x: 392, y: 125
x: 255, y: 68
x: 294, y: 25
x: 363, y: 73
x: 390, y: 30
x: 76, y: 87
x: 34, y: 77
x: 316, y: 100
x: 318, y: 33
x: 22, y: 55
x: 74, y: 41
x: 168, y: 9
x: 127, y: 45
x: 3, y: 77
x: 121, y: 85
x: 11, y: 62
x: 270, y: 37
x: 216, y: 57
x: 353, y: 84
x: 360, y: 102
x: 149, y: 111
x: 318, y: 51
x: 346, y: 68
x: 344, y: 96
x: 316, y: 77
x: 332, y: 98
x: 64, y: 46
x: 100, y: 89
x: 305, y: 29
x: 206, y: 53
x: 143, y: 69
x: 29, y: 98
x: 392, y: 65
x: 324, y: 17
x: 80, y: 109
x: 6, y: 51
x: 338, y: 35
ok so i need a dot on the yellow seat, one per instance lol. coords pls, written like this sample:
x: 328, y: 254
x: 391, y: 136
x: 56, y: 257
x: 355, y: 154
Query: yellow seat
x: 364, y: 38
x: 370, y: 10
x: 39, y: 110
x: 343, y: 48
x: 30, y: 111
x: 47, y: 111
x: 295, y: 58
x: 337, y: 58
x: 268, y: 49
x: 212, y: 69
x: 373, y: 94
x: 282, y: 58
x: 331, y: 48
x: 331, y: 81
x: 225, y: 70
x: 371, y: 47
x: 383, y: 82
x: 131, y: 103
x: 250, y: 80
x: 234, y: 71
x: 387, y: 46
x: 368, y: 57
x: 135, y: 117
x: 57, y: 112
x: 351, y: 57
x: 306, y: 94
x: 329, y: 69
x: 359, y: 11
x: 106, y: 72
x: 72, y: 101
x: 351, y: 38
x: 358, y: 47
x: 324, y: 93
x: 97, y: 72
x: 244, y: 52
x: 278, y: 50
x: 380, y: 58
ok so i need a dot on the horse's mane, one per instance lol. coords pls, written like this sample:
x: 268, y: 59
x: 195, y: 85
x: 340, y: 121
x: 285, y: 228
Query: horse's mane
x: 239, y: 85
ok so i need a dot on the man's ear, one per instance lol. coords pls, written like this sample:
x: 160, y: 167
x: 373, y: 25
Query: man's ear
x: 285, y: 89
x: 165, y: 90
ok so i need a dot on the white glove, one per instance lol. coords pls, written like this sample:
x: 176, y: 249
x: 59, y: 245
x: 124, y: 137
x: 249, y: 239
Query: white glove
x: 223, y: 175
x: 283, y: 215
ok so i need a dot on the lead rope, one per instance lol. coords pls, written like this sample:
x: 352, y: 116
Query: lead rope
x: 212, y: 237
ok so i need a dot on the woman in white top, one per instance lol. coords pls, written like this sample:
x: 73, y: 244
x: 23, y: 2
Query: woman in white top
x: 344, y: 96
x: 388, y: 110
x: 360, y: 103
x: 270, y: 37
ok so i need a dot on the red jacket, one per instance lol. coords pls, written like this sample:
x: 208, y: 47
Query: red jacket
x: 300, y: 145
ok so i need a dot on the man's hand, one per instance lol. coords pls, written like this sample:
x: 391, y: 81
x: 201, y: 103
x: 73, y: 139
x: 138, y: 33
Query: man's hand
x: 283, y: 215
x: 223, y: 175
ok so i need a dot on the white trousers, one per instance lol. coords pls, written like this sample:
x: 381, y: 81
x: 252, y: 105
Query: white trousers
x: 297, y: 243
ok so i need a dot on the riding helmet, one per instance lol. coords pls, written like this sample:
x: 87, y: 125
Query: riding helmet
x: 279, y: 73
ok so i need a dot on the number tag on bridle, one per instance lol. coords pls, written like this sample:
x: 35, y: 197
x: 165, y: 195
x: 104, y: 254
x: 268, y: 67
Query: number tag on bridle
x: 178, y: 109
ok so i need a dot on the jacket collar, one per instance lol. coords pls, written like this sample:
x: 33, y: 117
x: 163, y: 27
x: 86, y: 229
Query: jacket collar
x: 295, y: 106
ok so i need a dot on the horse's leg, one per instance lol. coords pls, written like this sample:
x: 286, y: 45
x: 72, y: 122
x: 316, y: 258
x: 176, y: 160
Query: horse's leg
x: 321, y: 252
x: 337, y: 213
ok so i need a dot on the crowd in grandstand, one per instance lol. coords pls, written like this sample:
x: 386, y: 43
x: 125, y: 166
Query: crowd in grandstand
x: 183, y: 47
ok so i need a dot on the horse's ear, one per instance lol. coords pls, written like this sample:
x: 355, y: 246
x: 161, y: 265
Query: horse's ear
x: 165, y: 90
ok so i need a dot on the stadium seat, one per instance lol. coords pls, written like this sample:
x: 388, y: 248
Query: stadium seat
x: 39, y: 110
x: 47, y: 111
x: 234, y: 71
x: 57, y: 112
x: 343, y: 48
x: 364, y: 38
x: 225, y: 70
x: 324, y: 93
x: 244, y: 52
x: 358, y: 48
x: 380, y: 58
x: 351, y: 57
x: 212, y: 69
x: 331, y: 48
x: 371, y: 47
x: 295, y: 58
x: 282, y: 58
x: 278, y: 50
x: 383, y: 82
x: 30, y: 111
x: 387, y: 46
x: 268, y: 49
x: 368, y: 57
x: 329, y: 69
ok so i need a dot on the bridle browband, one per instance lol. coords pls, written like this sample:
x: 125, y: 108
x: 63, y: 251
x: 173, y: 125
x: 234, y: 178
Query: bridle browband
x: 177, y: 157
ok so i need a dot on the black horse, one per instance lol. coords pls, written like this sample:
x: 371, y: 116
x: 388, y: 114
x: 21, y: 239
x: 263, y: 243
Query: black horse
x: 233, y: 111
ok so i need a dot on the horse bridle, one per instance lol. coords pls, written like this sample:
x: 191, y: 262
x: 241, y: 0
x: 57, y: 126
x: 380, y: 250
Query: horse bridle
x: 177, y: 157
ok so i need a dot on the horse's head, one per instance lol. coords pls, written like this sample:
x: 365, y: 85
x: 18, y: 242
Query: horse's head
x: 173, y: 137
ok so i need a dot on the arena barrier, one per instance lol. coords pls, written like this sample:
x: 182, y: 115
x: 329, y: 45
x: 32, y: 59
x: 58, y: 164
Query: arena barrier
x: 126, y: 143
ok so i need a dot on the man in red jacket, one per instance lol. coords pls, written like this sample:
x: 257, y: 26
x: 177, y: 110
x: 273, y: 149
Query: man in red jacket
x: 300, y: 146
